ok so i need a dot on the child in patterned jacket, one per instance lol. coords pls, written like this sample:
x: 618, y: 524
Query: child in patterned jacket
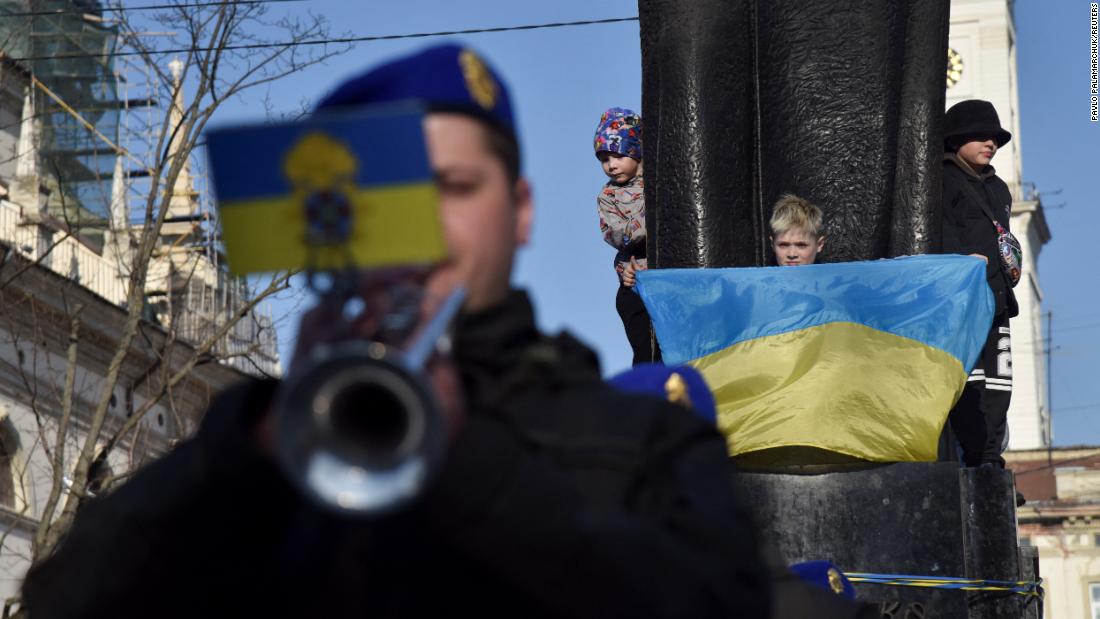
x: 621, y: 207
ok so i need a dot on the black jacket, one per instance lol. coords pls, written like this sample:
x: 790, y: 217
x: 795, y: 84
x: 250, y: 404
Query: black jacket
x: 968, y: 230
x: 561, y: 497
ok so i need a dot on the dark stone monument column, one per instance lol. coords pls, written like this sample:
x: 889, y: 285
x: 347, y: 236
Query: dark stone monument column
x: 697, y: 104
x: 838, y: 101
x: 911, y: 518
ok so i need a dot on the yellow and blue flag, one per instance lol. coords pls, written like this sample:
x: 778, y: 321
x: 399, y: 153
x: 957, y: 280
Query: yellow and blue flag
x: 329, y: 192
x: 863, y: 359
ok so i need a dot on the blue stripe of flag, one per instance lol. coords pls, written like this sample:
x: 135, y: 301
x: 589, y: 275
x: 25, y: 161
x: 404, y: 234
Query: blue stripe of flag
x: 247, y: 162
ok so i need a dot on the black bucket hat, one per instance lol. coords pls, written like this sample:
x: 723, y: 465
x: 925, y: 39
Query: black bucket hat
x: 974, y: 117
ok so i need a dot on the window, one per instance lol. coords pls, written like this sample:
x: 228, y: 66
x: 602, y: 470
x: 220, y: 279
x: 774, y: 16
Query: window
x: 7, y: 480
x: 45, y: 246
x: 74, y: 268
x: 9, y: 447
x: 1094, y: 598
x: 11, y: 108
x: 99, y: 473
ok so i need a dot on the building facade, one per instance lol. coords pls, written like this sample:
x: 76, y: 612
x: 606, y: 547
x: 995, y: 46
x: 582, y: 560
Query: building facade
x: 1062, y: 520
x: 67, y: 249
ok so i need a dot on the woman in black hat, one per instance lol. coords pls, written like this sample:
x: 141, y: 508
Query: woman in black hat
x: 976, y: 210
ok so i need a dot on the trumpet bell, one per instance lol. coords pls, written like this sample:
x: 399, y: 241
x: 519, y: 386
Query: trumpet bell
x: 358, y: 430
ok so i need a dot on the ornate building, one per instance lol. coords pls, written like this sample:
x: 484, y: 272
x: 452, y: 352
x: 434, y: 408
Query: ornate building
x: 67, y: 245
x: 1062, y: 520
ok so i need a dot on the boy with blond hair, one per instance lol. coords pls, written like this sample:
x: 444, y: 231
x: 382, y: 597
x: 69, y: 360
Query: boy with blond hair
x: 797, y: 231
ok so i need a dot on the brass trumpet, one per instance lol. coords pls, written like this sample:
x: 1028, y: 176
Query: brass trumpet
x: 358, y: 427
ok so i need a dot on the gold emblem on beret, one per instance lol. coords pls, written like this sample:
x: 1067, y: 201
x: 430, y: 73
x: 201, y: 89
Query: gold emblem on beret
x: 478, y: 79
x: 676, y: 390
x: 836, y: 583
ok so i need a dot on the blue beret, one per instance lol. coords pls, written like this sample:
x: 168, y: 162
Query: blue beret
x: 681, y: 384
x: 825, y: 575
x: 446, y: 77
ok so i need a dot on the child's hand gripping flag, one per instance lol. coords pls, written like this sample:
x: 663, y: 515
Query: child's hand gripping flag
x: 863, y: 359
x: 327, y: 193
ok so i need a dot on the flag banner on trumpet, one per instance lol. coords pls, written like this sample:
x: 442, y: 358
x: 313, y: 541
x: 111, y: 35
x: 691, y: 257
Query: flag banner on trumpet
x: 863, y: 359
x: 329, y: 192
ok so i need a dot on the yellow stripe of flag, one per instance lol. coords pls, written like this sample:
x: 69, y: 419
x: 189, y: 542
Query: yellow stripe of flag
x: 393, y: 224
x: 841, y: 386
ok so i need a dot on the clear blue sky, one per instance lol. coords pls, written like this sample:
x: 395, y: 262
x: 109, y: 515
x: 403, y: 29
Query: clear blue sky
x: 562, y: 79
x: 1061, y: 151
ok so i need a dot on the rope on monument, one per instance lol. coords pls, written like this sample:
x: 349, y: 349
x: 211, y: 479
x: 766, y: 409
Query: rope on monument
x: 1021, y: 587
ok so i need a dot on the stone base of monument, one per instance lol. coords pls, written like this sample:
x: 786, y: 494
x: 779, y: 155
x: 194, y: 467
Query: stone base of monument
x: 920, y: 519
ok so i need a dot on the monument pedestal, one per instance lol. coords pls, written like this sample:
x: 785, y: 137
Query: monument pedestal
x: 919, y: 519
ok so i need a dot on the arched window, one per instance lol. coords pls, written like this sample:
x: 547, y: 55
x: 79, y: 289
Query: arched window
x: 9, y: 448
x: 99, y: 474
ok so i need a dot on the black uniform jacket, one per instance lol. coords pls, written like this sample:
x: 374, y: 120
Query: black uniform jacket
x: 561, y: 497
x: 968, y: 230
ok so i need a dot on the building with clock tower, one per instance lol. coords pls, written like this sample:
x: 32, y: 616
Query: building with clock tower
x: 1061, y: 485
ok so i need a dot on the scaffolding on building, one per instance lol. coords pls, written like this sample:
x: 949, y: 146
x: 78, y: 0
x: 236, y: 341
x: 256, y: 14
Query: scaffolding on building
x: 97, y: 121
x: 69, y: 45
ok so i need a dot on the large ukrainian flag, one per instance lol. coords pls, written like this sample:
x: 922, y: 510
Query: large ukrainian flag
x: 863, y: 359
x: 327, y: 193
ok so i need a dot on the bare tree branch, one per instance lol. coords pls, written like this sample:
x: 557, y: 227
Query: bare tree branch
x: 41, y: 544
x: 277, y: 284
x: 211, y: 74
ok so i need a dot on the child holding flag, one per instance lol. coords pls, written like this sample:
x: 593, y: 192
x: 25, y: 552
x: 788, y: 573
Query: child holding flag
x: 976, y: 211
